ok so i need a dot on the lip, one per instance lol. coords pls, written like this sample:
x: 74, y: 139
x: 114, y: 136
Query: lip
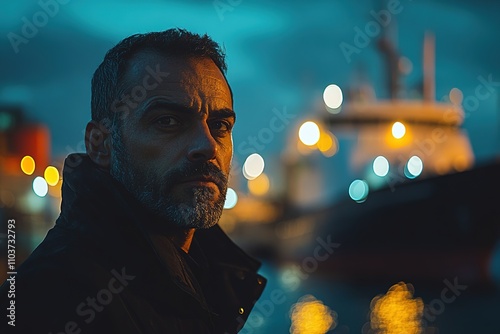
x: 200, y: 181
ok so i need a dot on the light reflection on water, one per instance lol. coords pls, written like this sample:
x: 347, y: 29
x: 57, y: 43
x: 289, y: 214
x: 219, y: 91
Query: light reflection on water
x: 349, y: 304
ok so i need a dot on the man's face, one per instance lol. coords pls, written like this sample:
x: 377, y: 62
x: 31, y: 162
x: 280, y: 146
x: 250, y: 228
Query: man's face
x: 175, y: 147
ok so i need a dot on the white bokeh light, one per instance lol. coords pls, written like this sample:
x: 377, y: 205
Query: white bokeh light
x: 398, y: 130
x: 309, y: 133
x: 381, y: 166
x: 231, y: 199
x: 253, y: 166
x: 332, y: 96
x: 415, y: 166
x: 40, y: 186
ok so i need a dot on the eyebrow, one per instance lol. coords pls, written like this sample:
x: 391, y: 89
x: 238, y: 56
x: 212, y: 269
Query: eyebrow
x: 180, y: 108
x: 223, y: 113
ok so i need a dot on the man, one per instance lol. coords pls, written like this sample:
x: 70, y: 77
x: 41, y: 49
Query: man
x: 137, y: 248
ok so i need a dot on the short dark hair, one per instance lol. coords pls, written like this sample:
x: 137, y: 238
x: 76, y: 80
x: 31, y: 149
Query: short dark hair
x: 172, y: 42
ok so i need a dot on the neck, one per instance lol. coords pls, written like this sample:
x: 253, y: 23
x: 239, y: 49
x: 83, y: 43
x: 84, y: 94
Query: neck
x: 183, y: 239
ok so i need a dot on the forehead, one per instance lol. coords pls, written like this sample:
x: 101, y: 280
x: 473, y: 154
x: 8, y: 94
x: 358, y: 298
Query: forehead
x: 194, y: 82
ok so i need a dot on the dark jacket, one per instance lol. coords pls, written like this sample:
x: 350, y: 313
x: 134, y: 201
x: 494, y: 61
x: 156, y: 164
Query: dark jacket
x: 97, y: 271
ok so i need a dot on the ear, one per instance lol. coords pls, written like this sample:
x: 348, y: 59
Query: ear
x: 98, y: 143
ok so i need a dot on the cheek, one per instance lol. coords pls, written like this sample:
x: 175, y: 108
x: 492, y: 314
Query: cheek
x: 227, y: 156
x: 154, y: 154
x: 227, y: 164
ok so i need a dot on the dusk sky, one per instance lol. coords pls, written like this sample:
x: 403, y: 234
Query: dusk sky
x: 281, y: 55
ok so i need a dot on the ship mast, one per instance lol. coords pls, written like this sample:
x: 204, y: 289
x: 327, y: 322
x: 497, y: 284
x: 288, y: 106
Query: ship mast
x: 391, y: 60
x: 388, y: 46
x: 429, y: 89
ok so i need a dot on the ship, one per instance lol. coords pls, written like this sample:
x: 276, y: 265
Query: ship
x: 394, y: 182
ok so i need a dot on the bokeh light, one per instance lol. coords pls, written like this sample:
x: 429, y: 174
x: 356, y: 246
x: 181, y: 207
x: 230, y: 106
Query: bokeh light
x: 397, y: 311
x: 231, y: 199
x: 381, y: 166
x: 40, y: 186
x: 259, y: 186
x: 309, y: 133
x: 332, y: 96
x: 405, y: 65
x: 310, y: 316
x: 253, y: 166
x: 327, y: 144
x: 51, y: 175
x: 456, y: 96
x: 28, y: 165
x: 398, y: 130
x: 358, y: 190
x: 414, y: 167
x: 460, y: 163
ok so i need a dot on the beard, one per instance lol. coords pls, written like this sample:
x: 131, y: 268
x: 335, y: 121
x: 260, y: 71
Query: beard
x: 196, y: 208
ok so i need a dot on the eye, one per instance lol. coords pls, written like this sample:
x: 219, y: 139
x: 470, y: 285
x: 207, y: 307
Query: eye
x: 167, y: 121
x: 221, y: 126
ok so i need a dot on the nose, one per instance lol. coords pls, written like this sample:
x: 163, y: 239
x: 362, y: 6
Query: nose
x: 203, y: 146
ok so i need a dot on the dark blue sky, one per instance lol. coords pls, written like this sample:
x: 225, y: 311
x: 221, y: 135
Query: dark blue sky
x: 280, y: 54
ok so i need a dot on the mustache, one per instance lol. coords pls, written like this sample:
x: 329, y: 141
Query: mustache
x: 200, y: 170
